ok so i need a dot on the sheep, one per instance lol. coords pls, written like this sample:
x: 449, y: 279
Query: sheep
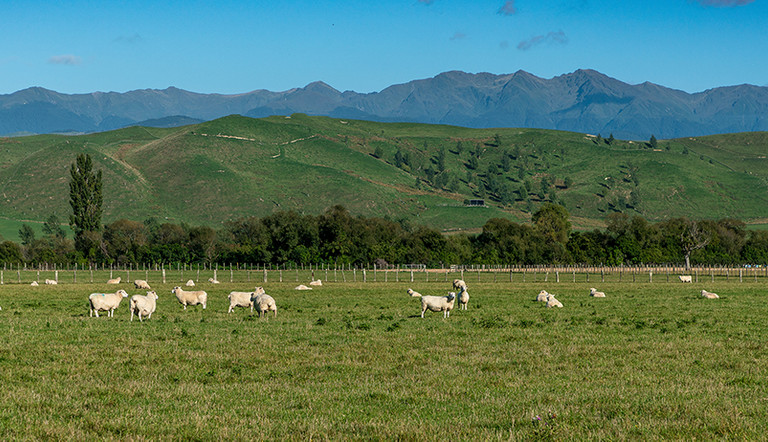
x: 458, y: 284
x: 413, y: 293
x: 685, y: 278
x: 463, y: 299
x: 709, y: 295
x: 106, y: 302
x: 316, y: 282
x: 552, y: 302
x: 242, y: 299
x: 302, y: 287
x: 190, y: 297
x: 263, y: 303
x: 438, y: 304
x: 542, y: 296
x: 114, y: 281
x: 213, y: 281
x: 141, y: 284
x: 143, y: 305
x: 595, y: 294
x: 34, y: 284
x: 190, y: 283
x: 51, y: 282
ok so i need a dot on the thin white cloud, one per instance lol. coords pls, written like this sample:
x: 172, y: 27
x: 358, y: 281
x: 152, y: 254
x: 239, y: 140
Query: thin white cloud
x: 129, y: 39
x: 458, y: 36
x: 66, y: 59
x: 558, y: 37
x: 426, y: 2
x: 725, y: 3
x: 508, y: 8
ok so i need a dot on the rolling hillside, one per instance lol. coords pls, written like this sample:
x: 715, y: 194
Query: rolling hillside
x: 236, y: 166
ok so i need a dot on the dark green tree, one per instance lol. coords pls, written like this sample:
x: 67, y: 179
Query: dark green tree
x: 85, y: 198
x: 26, y: 234
x: 52, y: 227
x: 653, y: 142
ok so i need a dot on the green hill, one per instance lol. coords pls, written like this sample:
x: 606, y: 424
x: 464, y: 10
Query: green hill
x: 236, y: 166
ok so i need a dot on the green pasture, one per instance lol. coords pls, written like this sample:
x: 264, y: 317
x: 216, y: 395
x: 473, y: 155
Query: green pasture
x: 353, y: 360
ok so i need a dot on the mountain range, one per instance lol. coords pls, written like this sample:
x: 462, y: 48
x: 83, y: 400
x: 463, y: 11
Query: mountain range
x: 581, y: 101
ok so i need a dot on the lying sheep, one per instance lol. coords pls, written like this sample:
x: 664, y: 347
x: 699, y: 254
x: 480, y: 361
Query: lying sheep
x: 316, y: 282
x: 34, y: 284
x: 302, y: 287
x: 685, y: 278
x: 459, y: 284
x: 709, y: 295
x: 106, y: 302
x: 595, y: 294
x: 552, y: 302
x: 51, y: 282
x: 114, y: 281
x: 242, y: 299
x: 141, y: 284
x: 143, y: 305
x: 213, y: 281
x: 190, y: 297
x: 263, y: 303
x: 542, y: 296
x: 463, y: 299
x: 438, y: 304
x: 413, y: 293
x: 190, y: 283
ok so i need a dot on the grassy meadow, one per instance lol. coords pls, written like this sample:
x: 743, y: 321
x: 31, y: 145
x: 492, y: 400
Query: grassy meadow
x: 353, y: 360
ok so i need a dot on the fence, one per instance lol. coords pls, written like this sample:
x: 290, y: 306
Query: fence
x: 259, y: 274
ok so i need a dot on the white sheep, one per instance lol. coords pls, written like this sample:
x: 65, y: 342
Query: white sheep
x: 463, y: 299
x: 213, y: 281
x: 316, y: 282
x: 552, y: 302
x: 413, y: 293
x: 242, y: 299
x: 709, y: 295
x: 263, y: 303
x: 595, y: 294
x: 302, y: 287
x: 190, y: 297
x: 143, y: 305
x: 190, y: 283
x: 106, y: 302
x: 114, y: 281
x: 685, y: 278
x: 459, y: 284
x: 141, y: 284
x: 542, y: 296
x: 34, y: 284
x: 51, y: 282
x: 438, y: 304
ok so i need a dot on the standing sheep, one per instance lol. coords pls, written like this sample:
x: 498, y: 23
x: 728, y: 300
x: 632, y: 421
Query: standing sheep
x: 459, y: 284
x: 190, y: 297
x: 106, y: 302
x: 242, y: 299
x: 438, y: 304
x: 143, y: 305
x: 114, y: 281
x: 263, y: 303
x: 709, y: 295
x: 463, y: 299
x: 595, y: 294
x: 141, y: 284
x: 685, y: 278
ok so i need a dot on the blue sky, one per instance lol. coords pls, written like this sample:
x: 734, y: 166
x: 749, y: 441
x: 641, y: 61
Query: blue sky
x: 231, y: 46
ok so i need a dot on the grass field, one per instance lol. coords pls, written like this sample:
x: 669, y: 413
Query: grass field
x: 355, y: 361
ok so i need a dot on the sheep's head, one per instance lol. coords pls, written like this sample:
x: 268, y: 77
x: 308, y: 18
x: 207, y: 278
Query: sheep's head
x: 259, y: 291
x: 152, y: 294
x: 123, y: 293
x: 451, y: 296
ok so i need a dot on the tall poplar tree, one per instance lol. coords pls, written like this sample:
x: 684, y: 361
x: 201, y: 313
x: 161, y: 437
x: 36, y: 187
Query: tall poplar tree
x: 86, y: 200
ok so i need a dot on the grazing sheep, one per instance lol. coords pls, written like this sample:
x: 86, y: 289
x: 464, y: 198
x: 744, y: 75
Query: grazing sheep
x: 51, y: 282
x: 685, y: 278
x: 463, y: 299
x: 141, y: 284
x: 413, y: 293
x: 190, y: 283
x: 302, y: 287
x: 263, y: 303
x: 143, y: 305
x: 438, y: 304
x: 709, y: 295
x: 316, y: 282
x: 242, y: 299
x: 34, y: 284
x: 106, y: 302
x: 542, y: 296
x: 191, y: 297
x: 213, y: 281
x: 595, y: 294
x: 552, y: 302
x: 459, y: 284
x: 114, y: 281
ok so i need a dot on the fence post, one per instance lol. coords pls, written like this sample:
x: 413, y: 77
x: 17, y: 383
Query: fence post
x: 163, y: 274
x: 650, y: 276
